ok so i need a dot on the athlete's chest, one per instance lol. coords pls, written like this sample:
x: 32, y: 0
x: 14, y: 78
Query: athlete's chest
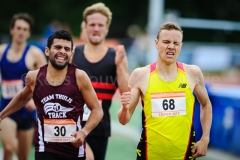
x: 168, y: 98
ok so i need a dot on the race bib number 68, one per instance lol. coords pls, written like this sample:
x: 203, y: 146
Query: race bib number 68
x: 168, y: 104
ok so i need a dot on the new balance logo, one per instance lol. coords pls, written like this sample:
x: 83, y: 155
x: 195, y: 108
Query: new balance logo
x: 182, y: 85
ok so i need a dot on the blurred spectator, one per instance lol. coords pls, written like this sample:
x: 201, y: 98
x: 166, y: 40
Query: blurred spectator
x: 137, y: 52
x: 48, y: 30
x: 51, y: 28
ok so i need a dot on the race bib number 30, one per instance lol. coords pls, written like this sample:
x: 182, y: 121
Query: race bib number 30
x: 168, y: 104
x: 59, y: 130
x: 11, y: 88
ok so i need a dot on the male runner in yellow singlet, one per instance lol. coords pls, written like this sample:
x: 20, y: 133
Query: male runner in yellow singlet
x: 166, y: 89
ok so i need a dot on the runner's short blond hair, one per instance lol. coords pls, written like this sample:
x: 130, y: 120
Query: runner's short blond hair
x: 98, y: 8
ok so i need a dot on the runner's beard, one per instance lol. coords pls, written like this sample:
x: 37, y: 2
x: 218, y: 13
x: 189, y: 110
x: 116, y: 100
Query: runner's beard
x: 57, y: 66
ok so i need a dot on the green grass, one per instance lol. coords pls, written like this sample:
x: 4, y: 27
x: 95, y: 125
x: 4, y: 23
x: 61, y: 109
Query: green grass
x: 120, y: 148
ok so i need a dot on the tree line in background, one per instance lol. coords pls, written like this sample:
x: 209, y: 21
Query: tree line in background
x: 125, y: 13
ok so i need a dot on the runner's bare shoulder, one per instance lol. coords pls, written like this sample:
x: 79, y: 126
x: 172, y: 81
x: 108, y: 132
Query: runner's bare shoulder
x: 35, y: 50
x: 31, y: 77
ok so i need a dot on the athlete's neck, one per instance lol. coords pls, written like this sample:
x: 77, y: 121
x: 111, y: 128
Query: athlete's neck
x: 56, y: 77
x: 95, y: 49
x: 167, y: 72
x: 18, y: 48
x: 94, y: 53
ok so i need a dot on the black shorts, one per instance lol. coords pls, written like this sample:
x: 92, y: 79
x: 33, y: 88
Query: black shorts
x: 24, y: 123
x: 98, y: 145
x: 54, y: 156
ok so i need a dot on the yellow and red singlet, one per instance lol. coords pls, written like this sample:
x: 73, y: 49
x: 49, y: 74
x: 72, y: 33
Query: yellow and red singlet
x: 167, y: 118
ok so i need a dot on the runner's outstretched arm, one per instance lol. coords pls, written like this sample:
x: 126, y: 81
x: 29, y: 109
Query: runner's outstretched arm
x: 21, y: 99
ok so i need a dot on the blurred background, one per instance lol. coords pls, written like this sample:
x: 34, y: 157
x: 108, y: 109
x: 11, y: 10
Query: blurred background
x: 211, y: 40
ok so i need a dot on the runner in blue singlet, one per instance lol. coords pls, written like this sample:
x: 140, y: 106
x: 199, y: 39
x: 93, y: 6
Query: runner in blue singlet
x: 16, y: 59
